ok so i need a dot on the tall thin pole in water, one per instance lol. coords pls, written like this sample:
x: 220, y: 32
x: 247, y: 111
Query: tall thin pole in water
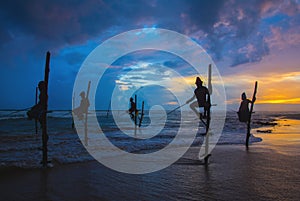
x: 73, y: 106
x: 86, y: 116
x: 107, y: 112
x: 44, y: 115
x: 135, y: 111
x: 36, y: 100
x: 207, y: 155
x: 250, y: 114
x: 209, y: 85
x: 142, y: 114
x: 135, y: 115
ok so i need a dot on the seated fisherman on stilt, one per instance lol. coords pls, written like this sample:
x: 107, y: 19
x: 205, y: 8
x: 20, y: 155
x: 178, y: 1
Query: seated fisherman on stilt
x: 244, y: 112
x: 83, y: 107
x: 37, y: 110
x: 201, y: 93
x: 132, y: 110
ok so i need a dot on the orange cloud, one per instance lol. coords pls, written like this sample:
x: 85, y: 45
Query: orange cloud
x: 172, y: 103
x: 272, y: 87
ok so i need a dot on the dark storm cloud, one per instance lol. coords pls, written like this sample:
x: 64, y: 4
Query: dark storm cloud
x: 75, y: 58
x: 238, y: 24
x: 58, y: 22
x: 233, y: 32
x: 72, y: 22
x: 203, y: 14
x: 248, y: 51
x: 33, y: 27
x: 217, y: 24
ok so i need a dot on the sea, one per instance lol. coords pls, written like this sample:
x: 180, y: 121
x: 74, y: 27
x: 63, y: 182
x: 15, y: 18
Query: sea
x: 21, y: 142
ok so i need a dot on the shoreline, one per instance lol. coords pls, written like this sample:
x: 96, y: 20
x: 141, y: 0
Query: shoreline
x: 233, y: 172
x: 256, y: 139
x: 268, y: 170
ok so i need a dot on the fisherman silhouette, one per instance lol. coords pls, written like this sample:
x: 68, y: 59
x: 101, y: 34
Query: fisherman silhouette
x: 244, y: 112
x: 132, y: 110
x: 83, y: 107
x: 37, y: 110
x: 203, y: 99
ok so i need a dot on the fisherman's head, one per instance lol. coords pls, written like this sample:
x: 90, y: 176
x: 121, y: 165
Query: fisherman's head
x: 42, y: 85
x: 198, y: 81
x: 244, y: 97
x: 82, y: 94
x: 131, y: 99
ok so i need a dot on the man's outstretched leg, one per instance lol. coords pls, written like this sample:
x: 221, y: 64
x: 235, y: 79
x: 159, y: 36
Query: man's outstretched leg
x: 193, y: 106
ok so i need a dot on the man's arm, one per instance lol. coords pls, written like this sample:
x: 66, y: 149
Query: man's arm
x: 188, y: 101
x: 208, y: 96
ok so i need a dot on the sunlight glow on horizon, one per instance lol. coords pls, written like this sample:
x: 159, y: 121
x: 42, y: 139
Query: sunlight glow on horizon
x: 273, y: 88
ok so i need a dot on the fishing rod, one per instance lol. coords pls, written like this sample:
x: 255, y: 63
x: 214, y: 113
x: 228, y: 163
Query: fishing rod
x: 16, y: 111
x: 174, y: 110
x: 177, y: 108
x: 108, y: 109
x: 232, y: 110
x: 184, y: 105
x: 69, y: 112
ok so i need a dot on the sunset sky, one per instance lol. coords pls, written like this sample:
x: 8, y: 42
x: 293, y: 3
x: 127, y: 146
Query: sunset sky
x: 255, y: 40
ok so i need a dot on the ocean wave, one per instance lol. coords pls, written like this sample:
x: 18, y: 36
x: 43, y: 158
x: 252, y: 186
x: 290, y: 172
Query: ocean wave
x: 21, y: 147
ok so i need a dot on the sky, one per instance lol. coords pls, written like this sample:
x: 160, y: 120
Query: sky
x: 255, y: 40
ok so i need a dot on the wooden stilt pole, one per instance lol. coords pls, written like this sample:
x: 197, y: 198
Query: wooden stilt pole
x: 207, y: 125
x: 73, y: 106
x: 135, y: 115
x: 250, y: 114
x: 36, y: 100
x: 142, y: 114
x: 207, y: 155
x: 107, y: 112
x: 86, y: 116
x: 44, y: 115
x: 135, y: 112
x: 209, y: 85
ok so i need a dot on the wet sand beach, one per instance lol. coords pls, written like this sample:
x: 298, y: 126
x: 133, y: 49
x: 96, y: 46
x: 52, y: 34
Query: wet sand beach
x: 234, y: 173
x: 268, y: 170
